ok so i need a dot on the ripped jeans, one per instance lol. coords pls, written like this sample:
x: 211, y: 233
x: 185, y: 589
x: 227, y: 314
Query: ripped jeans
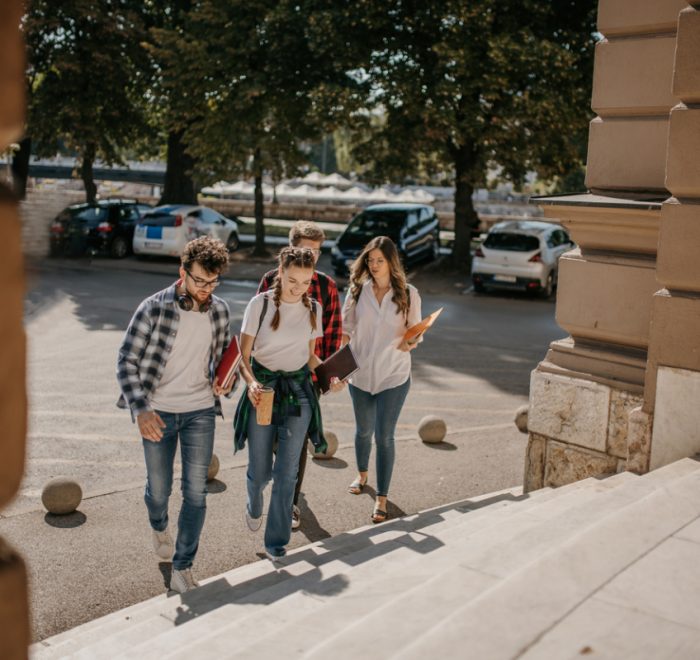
x: 282, y: 467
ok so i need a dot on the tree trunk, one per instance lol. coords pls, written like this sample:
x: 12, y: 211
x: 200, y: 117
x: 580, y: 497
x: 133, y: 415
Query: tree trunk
x: 20, y: 167
x: 466, y: 220
x: 259, y: 250
x: 179, y: 186
x: 86, y: 173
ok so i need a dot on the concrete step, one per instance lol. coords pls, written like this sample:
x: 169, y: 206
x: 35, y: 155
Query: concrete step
x: 165, y: 609
x: 510, y: 617
x: 405, y: 613
x: 316, y: 574
x: 368, y: 587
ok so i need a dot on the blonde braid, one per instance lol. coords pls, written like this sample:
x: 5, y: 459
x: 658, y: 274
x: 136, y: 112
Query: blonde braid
x: 277, y: 295
x: 311, y: 307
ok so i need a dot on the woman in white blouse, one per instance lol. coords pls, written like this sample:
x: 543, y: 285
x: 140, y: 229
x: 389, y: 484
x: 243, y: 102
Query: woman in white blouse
x: 379, y: 306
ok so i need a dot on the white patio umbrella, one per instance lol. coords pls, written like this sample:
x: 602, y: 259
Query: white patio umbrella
x: 337, y: 180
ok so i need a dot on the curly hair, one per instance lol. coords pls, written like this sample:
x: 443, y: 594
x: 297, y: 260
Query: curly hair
x: 360, y: 273
x: 210, y: 253
x: 302, y: 258
x: 305, y: 229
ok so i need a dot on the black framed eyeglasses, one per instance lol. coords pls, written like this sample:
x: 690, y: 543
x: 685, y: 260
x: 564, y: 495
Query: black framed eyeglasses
x: 204, y: 284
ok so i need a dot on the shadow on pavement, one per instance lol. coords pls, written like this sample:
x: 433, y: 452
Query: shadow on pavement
x: 66, y: 521
x: 332, y: 463
x: 214, y: 487
x: 442, y: 446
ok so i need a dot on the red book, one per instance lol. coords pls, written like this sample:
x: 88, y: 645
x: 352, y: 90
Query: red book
x: 229, y: 363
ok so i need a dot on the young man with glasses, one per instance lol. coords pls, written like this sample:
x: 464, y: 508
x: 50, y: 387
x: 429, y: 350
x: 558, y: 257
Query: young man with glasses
x: 166, y: 371
x: 324, y: 290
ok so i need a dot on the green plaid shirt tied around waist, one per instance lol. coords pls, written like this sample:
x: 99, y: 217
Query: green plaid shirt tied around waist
x: 285, y: 404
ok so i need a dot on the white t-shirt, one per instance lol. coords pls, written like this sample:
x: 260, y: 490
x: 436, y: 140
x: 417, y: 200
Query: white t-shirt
x: 375, y: 333
x: 185, y: 385
x: 287, y: 348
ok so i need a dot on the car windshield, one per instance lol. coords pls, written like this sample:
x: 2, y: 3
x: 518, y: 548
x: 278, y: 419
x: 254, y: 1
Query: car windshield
x: 511, y: 242
x: 92, y: 215
x: 378, y: 223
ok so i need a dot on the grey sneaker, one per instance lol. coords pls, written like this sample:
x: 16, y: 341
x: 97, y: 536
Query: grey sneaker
x: 163, y: 544
x: 296, y: 517
x: 182, y: 581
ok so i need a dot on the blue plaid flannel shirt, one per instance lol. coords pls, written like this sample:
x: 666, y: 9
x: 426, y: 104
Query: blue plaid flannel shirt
x: 148, y: 340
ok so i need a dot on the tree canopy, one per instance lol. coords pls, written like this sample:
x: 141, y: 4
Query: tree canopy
x: 86, y: 78
x: 467, y: 87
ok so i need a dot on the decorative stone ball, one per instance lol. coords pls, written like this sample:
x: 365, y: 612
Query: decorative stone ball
x: 521, y: 418
x: 332, y: 441
x: 213, y: 467
x: 432, y: 429
x: 61, y: 495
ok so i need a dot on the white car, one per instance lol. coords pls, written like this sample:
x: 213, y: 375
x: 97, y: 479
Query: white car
x: 166, y: 229
x: 520, y: 254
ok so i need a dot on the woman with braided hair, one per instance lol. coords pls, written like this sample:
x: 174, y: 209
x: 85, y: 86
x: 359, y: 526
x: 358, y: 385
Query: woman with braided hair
x: 378, y: 308
x: 278, y: 339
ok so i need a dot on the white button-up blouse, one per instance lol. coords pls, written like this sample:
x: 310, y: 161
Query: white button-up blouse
x: 375, y: 333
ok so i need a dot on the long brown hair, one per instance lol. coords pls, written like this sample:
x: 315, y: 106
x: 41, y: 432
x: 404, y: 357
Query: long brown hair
x: 360, y: 273
x: 302, y: 258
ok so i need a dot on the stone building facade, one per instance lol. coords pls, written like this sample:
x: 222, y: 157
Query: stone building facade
x: 622, y: 392
x: 14, y: 608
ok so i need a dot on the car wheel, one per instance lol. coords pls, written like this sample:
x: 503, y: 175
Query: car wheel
x: 548, y: 288
x: 478, y: 288
x: 119, y: 248
x: 233, y: 242
x: 436, y: 249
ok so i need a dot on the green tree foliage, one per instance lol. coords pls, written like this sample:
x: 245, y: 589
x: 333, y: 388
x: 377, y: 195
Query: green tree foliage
x: 87, y: 77
x: 254, y: 81
x: 464, y: 86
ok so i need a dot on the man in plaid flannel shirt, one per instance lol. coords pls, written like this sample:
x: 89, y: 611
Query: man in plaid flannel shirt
x: 166, y: 371
x: 323, y: 289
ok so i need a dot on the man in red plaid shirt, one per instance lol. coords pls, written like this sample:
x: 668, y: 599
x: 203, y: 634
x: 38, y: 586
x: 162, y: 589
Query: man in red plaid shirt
x: 323, y: 289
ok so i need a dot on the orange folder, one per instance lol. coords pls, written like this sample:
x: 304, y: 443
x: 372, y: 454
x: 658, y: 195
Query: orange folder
x: 414, y: 333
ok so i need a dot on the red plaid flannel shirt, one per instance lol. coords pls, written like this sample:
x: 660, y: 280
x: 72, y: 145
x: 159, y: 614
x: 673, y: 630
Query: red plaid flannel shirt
x: 332, y: 320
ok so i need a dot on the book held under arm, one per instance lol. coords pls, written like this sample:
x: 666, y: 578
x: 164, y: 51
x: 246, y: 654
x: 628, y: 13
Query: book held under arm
x: 415, y: 332
x: 341, y: 365
x: 230, y: 360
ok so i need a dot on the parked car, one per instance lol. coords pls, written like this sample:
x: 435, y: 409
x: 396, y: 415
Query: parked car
x: 413, y: 227
x: 105, y: 227
x: 166, y: 229
x: 520, y: 255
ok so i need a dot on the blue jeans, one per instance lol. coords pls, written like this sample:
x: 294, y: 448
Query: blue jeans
x: 282, y: 468
x: 196, y: 432
x: 378, y: 414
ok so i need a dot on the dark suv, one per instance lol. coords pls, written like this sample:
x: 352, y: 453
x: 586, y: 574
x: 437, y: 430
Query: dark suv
x: 413, y: 227
x: 105, y: 227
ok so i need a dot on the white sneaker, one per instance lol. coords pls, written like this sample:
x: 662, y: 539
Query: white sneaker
x: 296, y: 517
x: 182, y: 581
x: 253, y: 523
x: 163, y: 544
x: 275, y: 558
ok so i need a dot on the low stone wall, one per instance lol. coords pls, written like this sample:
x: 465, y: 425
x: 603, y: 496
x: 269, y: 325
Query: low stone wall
x: 580, y: 428
x: 38, y: 211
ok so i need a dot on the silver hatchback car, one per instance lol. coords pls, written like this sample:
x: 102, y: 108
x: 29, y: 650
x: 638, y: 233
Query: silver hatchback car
x: 519, y: 254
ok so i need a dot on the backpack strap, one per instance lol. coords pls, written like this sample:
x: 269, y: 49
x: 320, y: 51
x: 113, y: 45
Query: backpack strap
x: 262, y: 316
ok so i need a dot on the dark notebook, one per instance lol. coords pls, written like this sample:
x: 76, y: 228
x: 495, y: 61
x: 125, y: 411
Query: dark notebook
x: 341, y: 364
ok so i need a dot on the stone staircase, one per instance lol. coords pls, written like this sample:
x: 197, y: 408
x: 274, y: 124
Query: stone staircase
x: 602, y: 567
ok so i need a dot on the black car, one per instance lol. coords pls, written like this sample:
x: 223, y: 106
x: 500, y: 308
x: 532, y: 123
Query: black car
x: 105, y: 227
x: 413, y: 227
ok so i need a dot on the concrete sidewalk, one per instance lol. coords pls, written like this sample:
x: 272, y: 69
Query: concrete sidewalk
x: 99, y: 559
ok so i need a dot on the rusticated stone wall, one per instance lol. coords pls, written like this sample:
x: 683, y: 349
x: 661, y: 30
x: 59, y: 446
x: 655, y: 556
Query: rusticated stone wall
x: 14, y: 607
